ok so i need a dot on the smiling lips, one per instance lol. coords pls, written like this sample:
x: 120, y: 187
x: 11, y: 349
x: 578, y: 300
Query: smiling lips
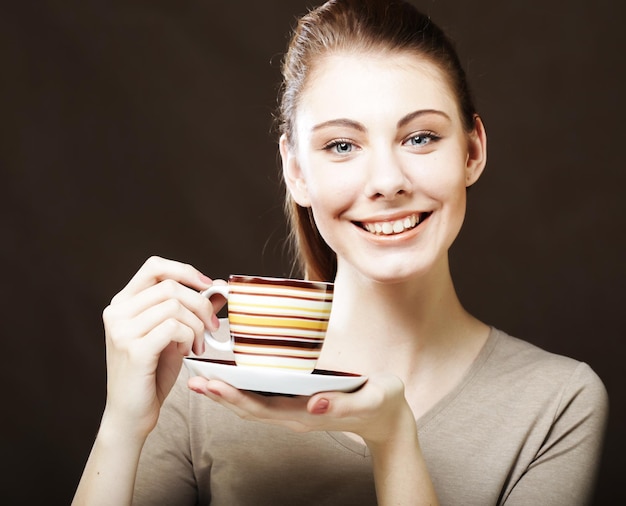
x: 394, y: 227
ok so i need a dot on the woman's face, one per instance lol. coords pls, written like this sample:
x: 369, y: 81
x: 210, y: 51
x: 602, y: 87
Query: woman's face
x: 383, y: 160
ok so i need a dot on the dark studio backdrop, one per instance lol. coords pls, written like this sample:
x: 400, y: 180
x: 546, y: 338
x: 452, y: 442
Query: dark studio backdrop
x: 137, y: 128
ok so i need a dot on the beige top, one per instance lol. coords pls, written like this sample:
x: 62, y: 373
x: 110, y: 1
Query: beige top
x: 523, y: 427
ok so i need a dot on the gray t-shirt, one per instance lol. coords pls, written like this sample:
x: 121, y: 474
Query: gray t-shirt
x: 524, y: 426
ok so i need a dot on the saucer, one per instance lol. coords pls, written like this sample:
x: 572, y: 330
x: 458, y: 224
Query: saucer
x: 272, y: 381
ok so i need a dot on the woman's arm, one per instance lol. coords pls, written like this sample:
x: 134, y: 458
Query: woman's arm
x: 400, y: 472
x: 109, y: 476
x: 156, y: 320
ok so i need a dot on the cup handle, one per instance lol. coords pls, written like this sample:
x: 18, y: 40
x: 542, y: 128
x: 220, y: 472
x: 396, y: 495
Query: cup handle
x: 208, y: 337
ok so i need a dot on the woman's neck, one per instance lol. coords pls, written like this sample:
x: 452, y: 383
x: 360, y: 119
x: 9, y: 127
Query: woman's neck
x: 413, y: 325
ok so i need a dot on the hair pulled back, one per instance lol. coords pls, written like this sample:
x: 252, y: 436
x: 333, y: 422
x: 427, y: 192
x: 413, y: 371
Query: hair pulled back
x: 340, y: 26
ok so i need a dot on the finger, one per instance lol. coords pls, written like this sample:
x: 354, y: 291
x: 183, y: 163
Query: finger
x: 219, y: 391
x: 156, y: 269
x: 286, y: 411
x: 122, y: 329
x: 167, y: 332
x: 169, y: 290
x: 172, y: 309
x: 217, y: 300
x: 361, y: 403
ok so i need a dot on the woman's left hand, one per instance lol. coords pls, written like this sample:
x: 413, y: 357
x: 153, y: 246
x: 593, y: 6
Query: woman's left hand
x: 373, y: 412
x: 378, y: 412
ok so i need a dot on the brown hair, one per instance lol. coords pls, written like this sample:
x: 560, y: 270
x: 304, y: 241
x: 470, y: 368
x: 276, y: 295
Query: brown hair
x: 355, y: 25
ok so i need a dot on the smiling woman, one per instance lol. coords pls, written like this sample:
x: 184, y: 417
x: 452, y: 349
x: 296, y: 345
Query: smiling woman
x: 379, y: 143
x: 396, y: 166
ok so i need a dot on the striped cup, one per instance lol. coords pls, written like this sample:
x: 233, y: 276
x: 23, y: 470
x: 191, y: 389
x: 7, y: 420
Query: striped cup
x: 275, y: 323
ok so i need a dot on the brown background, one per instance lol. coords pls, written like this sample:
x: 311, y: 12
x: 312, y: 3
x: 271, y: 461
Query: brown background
x: 130, y: 129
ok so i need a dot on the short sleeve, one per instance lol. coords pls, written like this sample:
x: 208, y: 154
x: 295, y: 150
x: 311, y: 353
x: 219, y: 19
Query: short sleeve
x: 563, y: 471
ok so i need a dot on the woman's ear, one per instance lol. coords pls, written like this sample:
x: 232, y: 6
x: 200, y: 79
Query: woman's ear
x: 476, y: 152
x: 292, y: 172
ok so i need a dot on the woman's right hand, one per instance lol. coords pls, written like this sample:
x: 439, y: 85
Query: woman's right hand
x: 156, y: 320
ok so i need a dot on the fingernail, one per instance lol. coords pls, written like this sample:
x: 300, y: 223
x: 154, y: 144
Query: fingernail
x: 215, y: 323
x: 214, y: 392
x: 205, y: 279
x: 321, y: 407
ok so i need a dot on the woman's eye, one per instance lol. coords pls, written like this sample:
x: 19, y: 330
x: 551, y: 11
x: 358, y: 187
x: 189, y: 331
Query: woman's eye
x: 421, y: 140
x: 339, y: 147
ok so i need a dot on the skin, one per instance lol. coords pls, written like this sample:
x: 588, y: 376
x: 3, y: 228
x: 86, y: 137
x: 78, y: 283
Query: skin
x: 378, y: 138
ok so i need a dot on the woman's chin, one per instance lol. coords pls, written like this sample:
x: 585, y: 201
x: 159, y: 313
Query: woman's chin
x: 388, y: 273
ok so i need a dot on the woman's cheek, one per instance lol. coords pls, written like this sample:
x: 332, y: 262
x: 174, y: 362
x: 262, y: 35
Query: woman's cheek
x: 334, y: 193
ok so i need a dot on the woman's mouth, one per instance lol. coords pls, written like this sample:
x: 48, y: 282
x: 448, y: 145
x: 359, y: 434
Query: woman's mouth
x: 394, y: 227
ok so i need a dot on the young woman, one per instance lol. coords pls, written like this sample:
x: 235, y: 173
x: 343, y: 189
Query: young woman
x: 379, y: 143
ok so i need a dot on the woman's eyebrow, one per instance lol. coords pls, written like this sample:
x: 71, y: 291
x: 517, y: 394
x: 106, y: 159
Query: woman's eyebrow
x: 345, y: 122
x: 342, y: 122
x: 421, y: 112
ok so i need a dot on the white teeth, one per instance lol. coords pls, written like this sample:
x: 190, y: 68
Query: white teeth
x: 392, y: 227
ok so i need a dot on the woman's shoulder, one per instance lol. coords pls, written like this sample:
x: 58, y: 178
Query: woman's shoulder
x: 518, y: 361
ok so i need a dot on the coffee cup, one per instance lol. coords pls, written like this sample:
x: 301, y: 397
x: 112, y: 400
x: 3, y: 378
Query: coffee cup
x: 275, y: 323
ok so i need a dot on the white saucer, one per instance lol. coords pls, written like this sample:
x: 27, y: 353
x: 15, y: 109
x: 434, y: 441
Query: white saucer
x: 271, y: 381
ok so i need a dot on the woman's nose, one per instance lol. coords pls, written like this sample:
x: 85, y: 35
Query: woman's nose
x: 386, y: 178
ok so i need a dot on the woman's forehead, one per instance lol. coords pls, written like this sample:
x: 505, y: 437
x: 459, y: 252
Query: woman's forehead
x: 365, y: 86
